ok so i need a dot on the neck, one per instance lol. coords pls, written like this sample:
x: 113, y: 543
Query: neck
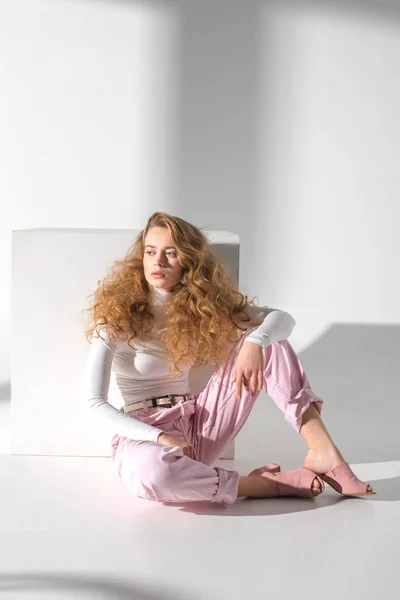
x: 159, y: 291
x: 159, y: 296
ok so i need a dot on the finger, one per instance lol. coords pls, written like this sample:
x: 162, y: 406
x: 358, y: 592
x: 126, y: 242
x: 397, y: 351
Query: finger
x: 250, y: 383
x: 260, y: 380
x: 247, y: 381
x: 239, y: 385
x: 189, y: 451
x: 254, y: 383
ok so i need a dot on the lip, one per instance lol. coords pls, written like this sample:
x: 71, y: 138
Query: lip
x: 157, y: 273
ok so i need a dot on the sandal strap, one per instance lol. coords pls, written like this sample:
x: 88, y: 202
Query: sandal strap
x: 297, y: 483
x: 344, y: 481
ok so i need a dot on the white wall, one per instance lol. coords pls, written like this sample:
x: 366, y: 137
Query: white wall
x: 277, y: 121
x: 329, y: 155
x: 89, y: 94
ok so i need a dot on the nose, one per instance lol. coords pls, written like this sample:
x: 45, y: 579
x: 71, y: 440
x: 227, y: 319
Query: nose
x: 158, y: 262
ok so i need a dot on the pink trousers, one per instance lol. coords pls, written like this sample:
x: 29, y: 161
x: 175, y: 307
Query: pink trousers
x: 209, y: 423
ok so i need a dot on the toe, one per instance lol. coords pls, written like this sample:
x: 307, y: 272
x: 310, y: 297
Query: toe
x: 316, y: 487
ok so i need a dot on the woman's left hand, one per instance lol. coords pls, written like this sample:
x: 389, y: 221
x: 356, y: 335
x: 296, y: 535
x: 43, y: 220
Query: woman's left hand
x: 249, y: 368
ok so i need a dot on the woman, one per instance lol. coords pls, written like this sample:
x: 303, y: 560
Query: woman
x: 166, y: 316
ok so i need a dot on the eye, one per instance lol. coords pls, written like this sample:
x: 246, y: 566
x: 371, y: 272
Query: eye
x: 151, y: 252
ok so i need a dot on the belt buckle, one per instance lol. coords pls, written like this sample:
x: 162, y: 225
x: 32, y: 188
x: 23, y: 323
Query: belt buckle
x: 172, y: 399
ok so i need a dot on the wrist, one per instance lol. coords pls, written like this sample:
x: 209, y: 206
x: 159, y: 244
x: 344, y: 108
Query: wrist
x: 261, y: 341
x: 253, y: 342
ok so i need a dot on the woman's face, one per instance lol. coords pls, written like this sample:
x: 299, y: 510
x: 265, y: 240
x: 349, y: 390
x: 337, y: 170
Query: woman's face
x: 161, y: 255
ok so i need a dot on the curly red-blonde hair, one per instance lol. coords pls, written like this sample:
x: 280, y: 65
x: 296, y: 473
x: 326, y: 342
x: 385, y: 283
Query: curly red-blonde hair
x: 202, y: 317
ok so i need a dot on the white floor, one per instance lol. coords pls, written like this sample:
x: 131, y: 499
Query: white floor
x: 70, y: 529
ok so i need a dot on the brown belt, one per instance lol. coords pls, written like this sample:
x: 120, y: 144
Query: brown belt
x: 166, y: 401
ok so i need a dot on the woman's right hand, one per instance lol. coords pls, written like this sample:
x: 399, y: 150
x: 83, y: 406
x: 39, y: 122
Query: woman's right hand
x: 169, y: 440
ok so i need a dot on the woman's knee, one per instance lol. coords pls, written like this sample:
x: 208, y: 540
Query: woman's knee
x: 156, y: 474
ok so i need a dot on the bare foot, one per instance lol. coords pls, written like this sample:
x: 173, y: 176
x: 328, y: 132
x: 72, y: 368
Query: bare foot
x: 316, y: 486
x: 323, y: 461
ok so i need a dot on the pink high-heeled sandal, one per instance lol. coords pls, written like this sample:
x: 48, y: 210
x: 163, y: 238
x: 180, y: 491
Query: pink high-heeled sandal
x: 291, y: 483
x: 271, y: 467
x: 345, y: 482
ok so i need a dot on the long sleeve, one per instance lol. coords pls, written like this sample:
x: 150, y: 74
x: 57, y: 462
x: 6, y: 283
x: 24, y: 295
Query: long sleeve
x: 276, y: 325
x: 96, y: 383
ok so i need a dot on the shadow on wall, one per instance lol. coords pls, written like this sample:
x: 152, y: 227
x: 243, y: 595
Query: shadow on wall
x: 354, y: 368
